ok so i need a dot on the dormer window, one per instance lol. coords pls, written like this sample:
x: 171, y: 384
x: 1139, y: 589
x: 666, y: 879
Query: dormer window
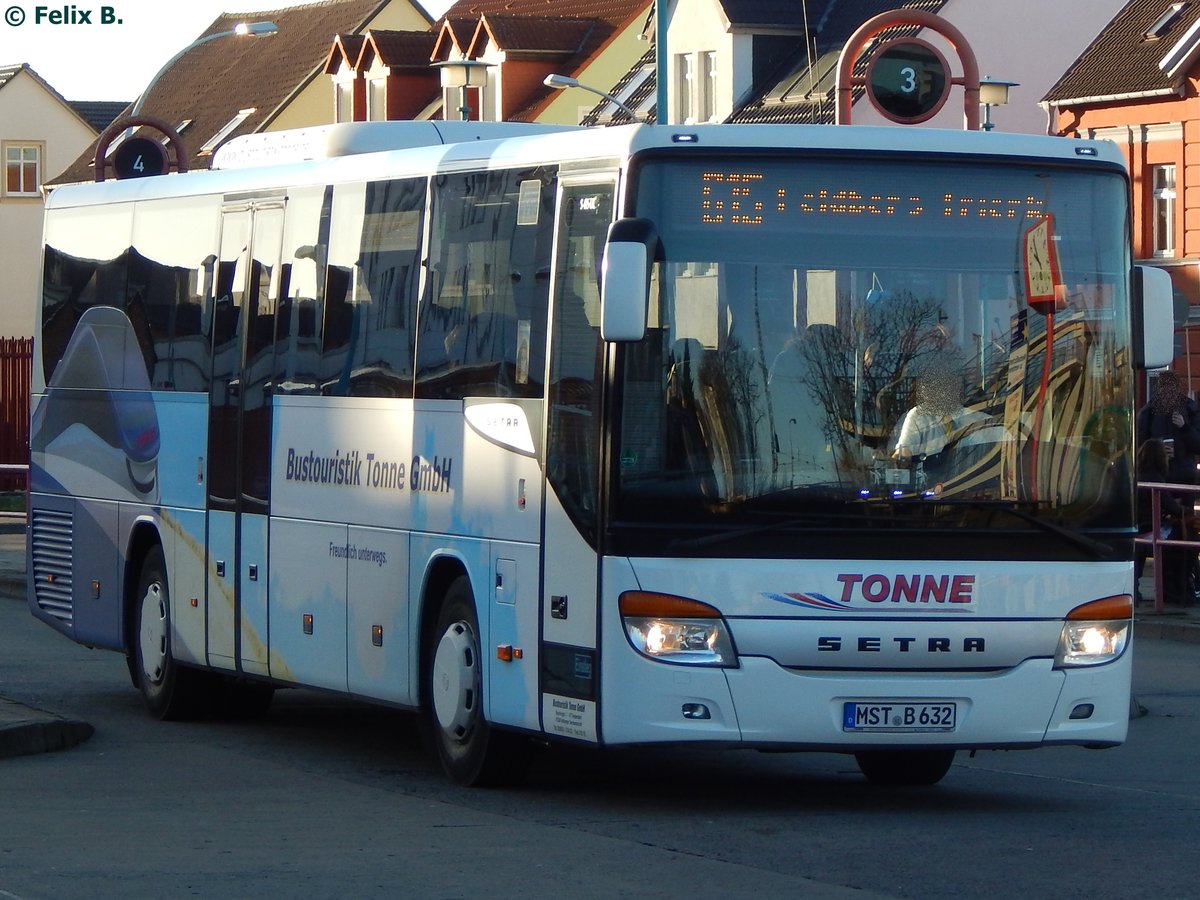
x: 215, y: 141
x: 343, y: 100
x: 377, y: 99
x: 1165, y: 21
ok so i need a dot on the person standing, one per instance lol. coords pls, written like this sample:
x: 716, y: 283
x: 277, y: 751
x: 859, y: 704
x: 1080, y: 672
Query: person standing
x: 1173, y: 418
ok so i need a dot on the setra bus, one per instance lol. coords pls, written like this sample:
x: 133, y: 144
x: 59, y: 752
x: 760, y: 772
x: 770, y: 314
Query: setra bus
x: 772, y: 437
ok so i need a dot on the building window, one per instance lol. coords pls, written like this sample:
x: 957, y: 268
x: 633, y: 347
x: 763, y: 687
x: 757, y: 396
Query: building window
x: 22, y: 170
x: 343, y: 101
x: 377, y: 100
x: 708, y: 87
x: 1163, y: 219
x: 685, y: 70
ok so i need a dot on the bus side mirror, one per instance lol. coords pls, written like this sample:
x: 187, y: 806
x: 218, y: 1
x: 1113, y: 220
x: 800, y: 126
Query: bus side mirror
x: 625, y: 279
x: 1153, y: 318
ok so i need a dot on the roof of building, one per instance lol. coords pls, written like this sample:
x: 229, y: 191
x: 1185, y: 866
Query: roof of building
x: 99, y: 113
x: 546, y: 35
x: 91, y: 112
x: 612, y: 11
x: 9, y: 74
x: 742, y: 14
x: 345, y: 49
x: 1145, y: 50
x: 570, y: 32
x: 398, y: 49
x: 214, y: 82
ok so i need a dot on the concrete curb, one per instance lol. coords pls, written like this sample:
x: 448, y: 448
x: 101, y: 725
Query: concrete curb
x: 25, y: 730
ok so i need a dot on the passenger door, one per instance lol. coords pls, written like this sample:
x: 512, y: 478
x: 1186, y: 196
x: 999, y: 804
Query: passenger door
x: 247, y: 289
x: 570, y: 597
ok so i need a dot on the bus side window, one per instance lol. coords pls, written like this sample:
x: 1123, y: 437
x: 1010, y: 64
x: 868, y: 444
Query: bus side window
x: 170, y: 272
x: 483, y: 318
x: 86, y: 264
x: 386, y: 289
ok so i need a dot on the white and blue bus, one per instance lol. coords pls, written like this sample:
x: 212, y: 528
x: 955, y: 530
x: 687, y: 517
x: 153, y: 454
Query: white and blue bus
x: 773, y: 437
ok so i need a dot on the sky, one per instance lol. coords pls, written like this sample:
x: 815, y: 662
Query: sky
x: 111, y: 50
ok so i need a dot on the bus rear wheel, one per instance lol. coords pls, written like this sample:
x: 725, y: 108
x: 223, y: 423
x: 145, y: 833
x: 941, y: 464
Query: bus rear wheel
x: 470, y: 750
x: 170, y: 690
x: 904, y: 768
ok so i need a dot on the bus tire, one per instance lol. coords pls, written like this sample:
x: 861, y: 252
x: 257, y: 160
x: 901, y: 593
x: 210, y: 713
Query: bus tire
x: 170, y: 690
x: 470, y: 751
x: 904, y: 768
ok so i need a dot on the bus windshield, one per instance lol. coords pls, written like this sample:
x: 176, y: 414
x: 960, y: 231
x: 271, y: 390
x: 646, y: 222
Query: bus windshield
x: 872, y: 342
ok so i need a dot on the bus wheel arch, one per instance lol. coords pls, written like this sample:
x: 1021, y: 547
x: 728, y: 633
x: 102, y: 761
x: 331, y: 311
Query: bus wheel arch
x: 470, y: 750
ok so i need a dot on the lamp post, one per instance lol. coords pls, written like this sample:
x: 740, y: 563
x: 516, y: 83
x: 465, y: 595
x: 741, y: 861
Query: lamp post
x: 560, y: 82
x: 992, y: 92
x: 254, y: 29
x: 463, y: 74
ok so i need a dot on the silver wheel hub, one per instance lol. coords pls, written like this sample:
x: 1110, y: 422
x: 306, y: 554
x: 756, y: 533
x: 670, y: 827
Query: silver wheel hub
x: 456, y: 682
x: 153, y: 637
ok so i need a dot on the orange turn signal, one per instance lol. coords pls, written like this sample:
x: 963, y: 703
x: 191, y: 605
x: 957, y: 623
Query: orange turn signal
x: 664, y: 606
x: 1118, y: 607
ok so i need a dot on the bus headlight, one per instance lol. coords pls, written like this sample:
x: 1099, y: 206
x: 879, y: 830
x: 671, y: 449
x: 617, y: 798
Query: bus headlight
x: 1095, y: 633
x: 676, y: 629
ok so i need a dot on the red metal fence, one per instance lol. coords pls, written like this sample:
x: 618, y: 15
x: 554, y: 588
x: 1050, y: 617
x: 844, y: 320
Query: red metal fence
x: 16, y: 366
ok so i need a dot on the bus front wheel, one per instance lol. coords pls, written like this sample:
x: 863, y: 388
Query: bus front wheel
x: 170, y: 691
x: 905, y: 768
x: 470, y: 750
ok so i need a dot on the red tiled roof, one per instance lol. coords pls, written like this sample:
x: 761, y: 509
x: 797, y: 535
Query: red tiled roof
x: 346, y: 49
x: 454, y: 36
x: 1123, y: 61
x: 398, y: 49
x: 615, y: 12
x: 539, y: 34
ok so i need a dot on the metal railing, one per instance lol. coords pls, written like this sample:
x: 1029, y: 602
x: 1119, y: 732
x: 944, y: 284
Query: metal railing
x: 16, y: 366
x: 1154, y: 539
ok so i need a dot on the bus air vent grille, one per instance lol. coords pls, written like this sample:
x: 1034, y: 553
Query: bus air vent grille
x: 53, y: 539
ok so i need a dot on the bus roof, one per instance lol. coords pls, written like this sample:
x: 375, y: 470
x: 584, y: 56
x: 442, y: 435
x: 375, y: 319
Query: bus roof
x: 378, y: 150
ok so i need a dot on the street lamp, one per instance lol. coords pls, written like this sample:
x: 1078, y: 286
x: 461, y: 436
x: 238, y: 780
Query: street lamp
x: 254, y: 29
x: 559, y: 82
x: 463, y: 74
x: 992, y: 92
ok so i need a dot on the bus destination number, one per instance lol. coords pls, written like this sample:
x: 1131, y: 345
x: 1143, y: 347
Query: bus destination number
x: 876, y: 716
x: 139, y: 157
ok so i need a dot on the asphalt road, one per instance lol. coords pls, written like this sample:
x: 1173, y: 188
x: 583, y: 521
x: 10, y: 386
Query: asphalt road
x: 327, y: 798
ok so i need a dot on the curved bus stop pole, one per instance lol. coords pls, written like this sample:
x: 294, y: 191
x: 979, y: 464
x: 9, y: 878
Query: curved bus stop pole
x: 846, y: 82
